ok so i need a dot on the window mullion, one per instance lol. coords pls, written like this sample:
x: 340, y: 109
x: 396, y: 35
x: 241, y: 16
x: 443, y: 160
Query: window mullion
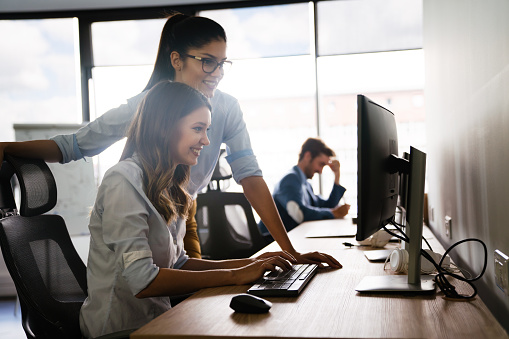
x: 86, y: 64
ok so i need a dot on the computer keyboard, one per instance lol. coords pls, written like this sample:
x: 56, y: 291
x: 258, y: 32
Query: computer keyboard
x: 284, y: 283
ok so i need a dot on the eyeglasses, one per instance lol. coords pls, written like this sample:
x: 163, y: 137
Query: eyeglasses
x: 209, y: 65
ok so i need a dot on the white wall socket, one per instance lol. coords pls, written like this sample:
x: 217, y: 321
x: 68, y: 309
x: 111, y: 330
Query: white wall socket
x: 501, y: 271
x: 448, y: 226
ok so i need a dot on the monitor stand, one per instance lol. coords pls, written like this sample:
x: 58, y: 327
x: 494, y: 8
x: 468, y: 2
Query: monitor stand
x: 395, y: 283
x: 414, y: 281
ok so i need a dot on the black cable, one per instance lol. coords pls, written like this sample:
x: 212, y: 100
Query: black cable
x: 402, y: 236
x: 399, y: 227
x: 427, y: 243
x: 441, y: 277
x: 444, y: 284
x: 442, y: 273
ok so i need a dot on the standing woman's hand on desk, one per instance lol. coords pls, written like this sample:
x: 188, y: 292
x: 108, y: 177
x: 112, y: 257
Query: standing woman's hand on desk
x: 284, y: 254
x: 317, y: 258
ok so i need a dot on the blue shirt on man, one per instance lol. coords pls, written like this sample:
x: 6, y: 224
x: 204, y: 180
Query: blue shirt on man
x: 296, y: 201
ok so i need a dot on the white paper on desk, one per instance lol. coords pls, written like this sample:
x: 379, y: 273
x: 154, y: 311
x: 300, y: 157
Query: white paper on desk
x: 335, y: 228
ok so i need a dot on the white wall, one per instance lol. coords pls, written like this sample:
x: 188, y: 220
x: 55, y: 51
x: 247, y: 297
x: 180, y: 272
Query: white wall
x: 466, y: 44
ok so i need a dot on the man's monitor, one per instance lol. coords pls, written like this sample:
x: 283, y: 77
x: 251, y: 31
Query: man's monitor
x: 378, y: 176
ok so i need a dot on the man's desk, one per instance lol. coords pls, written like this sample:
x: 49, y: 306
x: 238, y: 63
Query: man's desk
x: 329, y: 307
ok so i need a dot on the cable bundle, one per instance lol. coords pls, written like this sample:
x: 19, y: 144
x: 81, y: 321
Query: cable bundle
x: 441, y: 280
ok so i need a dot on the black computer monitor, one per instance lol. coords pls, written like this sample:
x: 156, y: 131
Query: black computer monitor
x: 377, y: 184
x: 379, y: 168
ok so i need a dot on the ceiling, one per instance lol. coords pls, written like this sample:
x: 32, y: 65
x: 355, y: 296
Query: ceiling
x: 17, y: 6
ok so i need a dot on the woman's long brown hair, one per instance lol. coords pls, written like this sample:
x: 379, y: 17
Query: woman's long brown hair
x: 149, y: 137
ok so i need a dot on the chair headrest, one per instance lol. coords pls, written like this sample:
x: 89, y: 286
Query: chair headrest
x: 37, y: 185
x: 222, y: 171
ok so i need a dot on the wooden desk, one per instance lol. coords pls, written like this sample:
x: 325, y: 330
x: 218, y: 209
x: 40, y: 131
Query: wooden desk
x: 329, y: 307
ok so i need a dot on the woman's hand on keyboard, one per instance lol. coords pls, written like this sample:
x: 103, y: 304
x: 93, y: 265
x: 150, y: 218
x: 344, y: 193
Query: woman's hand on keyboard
x: 317, y: 258
x: 254, y: 271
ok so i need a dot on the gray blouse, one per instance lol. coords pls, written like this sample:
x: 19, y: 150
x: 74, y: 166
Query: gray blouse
x: 129, y: 242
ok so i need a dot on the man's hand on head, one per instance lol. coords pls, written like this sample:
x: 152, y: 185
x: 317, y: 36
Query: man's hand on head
x: 334, y: 166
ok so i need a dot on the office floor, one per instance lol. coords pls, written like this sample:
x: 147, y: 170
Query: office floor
x: 10, y: 321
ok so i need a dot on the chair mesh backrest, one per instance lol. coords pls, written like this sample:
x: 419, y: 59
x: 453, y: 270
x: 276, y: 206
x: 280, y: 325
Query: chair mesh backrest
x: 55, y: 272
x: 218, y: 237
x: 41, y: 248
x: 48, y: 273
x: 37, y: 185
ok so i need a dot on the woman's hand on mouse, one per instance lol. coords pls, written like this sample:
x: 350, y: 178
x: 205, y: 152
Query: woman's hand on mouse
x: 255, y: 270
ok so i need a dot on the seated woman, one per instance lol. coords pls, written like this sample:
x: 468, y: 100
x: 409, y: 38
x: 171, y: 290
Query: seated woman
x: 137, y: 257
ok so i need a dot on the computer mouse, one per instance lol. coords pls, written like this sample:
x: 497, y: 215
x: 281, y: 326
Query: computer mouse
x: 247, y: 303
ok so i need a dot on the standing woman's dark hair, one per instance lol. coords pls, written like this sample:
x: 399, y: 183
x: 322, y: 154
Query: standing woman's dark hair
x: 181, y: 33
x: 149, y: 137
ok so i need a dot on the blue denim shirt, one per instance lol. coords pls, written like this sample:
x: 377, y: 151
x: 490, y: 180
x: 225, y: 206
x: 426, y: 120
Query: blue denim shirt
x: 227, y: 127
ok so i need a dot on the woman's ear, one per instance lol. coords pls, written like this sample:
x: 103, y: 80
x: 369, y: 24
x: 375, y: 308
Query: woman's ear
x: 176, y: 60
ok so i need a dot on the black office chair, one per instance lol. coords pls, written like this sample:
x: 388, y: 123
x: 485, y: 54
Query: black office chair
x: 49, y: 275
x: 226, y: 225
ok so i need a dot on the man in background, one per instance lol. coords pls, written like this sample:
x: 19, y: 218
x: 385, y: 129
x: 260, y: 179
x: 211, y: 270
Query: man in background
x: 294, y: 196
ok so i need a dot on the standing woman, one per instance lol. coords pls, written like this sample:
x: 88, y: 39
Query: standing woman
x: 192, y: 50
x: 137, y: 258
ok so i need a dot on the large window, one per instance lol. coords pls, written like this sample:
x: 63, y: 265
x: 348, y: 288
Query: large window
x: 38, y: 73
x: 273, y: 78
x: 395, y: 80
x: 124, y: 53
x: 367, y: 26
x: 369, y: 47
